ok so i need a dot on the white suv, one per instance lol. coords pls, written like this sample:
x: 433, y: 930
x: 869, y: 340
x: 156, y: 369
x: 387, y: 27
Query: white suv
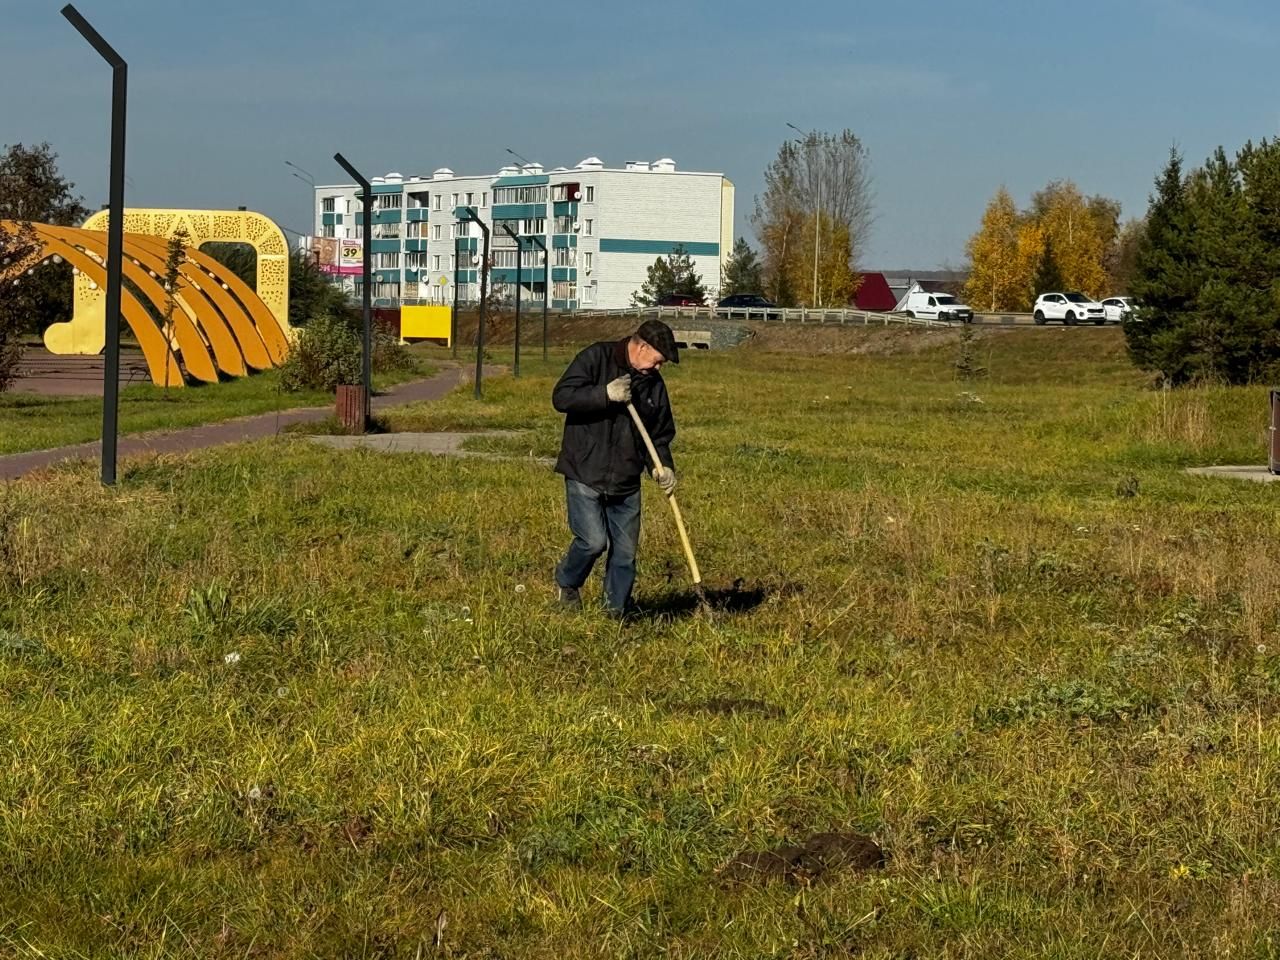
x: 1117, y: 309
x: 1070, y: 308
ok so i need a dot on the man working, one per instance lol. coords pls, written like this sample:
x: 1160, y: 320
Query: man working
x: 602, y: 455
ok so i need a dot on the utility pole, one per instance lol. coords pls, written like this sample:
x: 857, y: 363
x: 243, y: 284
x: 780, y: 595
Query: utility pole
x: 484, y: 297
x: 366, y: 215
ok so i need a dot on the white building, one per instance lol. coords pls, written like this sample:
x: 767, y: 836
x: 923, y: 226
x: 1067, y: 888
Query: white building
x: 602, y: 229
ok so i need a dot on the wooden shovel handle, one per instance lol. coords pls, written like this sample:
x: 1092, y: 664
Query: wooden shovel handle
x: 671, y: 497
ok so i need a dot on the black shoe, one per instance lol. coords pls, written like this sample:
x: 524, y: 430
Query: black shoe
x: 569, y: 597
x: 626, y: 615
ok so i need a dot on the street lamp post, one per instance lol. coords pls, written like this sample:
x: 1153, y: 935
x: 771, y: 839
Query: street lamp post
x: 519, y: 256
x: 366, y: 219
x: 484, y: 297
x: 546, y: 291
x: 453, y: 319
x: 115, y: 239
x: 811, y: 143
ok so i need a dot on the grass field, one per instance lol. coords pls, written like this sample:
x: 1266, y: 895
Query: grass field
x: 270, y: 701
x: 29, y: 421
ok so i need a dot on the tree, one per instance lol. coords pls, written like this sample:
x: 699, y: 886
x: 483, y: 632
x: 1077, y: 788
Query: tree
x: 1048, y: 275
x: 743, y: 272
x: 817, y: 194
x: 18, y: 250
x: 175, y: 257
x: 32, y: 190
x: 1123, y: 262
x: 994, y: 280
x: 311, y: 294
x: 1080, y: 232
x: 671, y: 275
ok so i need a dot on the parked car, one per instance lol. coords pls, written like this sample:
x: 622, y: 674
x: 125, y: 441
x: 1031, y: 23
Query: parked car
x: 1117, y: 309
x: 681, y: 300
x: 1070, y: 308
x: 937, y: 306
x: 743, y: 302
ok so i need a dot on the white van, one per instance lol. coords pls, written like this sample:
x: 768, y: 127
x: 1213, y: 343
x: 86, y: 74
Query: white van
x: 935, y: 306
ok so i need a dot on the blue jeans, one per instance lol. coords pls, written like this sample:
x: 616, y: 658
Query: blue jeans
x: 598, y: 523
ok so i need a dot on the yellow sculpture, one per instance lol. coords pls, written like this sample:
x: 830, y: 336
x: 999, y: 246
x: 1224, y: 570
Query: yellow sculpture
x: 220, y: 324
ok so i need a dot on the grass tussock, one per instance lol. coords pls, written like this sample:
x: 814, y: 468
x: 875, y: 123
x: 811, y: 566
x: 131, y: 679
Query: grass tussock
x: 276, y: 701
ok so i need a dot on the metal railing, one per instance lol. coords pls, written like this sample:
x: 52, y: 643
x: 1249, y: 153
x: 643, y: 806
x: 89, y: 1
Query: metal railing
x: 798, y: 315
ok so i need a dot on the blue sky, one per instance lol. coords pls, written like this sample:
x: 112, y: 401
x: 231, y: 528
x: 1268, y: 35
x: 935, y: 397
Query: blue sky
x: 951, y: 99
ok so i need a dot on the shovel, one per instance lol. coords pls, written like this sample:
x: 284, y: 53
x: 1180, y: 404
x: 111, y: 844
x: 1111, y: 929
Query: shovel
x: 703, y: 605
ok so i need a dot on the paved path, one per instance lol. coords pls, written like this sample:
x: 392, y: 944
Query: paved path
x: 256, y: 427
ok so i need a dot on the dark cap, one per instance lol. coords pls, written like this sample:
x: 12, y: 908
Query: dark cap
x: 658, y: 335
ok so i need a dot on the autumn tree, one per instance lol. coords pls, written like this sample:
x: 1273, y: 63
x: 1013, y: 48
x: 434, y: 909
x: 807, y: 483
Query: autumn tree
x: 994, y: 274
x: 1080, y: 232
x: 815, y: 213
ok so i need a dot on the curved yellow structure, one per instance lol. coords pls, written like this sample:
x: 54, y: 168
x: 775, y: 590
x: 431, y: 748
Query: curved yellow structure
x: 219, y: 324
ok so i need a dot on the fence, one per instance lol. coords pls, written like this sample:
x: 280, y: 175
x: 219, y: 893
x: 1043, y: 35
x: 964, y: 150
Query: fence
x: 812, y: 315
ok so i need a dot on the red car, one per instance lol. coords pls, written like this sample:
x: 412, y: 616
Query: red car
x: 681, y: 300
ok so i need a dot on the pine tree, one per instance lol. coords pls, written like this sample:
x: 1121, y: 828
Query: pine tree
x: 670, y: 275
x: 743, y: 273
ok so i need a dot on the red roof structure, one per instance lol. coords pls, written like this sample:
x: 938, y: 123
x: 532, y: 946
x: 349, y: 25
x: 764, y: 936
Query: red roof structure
x: 874, y: 293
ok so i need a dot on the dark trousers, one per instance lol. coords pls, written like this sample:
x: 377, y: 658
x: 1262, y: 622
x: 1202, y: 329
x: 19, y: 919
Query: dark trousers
x: 598, y: 523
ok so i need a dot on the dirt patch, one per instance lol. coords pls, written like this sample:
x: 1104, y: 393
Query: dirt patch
x: 859, y: 340
x: 806, y: 863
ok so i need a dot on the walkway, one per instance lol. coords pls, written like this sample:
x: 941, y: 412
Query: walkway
x: 228, y: 431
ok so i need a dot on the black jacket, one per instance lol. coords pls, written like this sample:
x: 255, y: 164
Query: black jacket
x: 601, y: 446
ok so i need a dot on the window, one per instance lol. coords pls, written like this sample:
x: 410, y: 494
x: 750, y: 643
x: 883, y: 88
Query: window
x: 507, y: 258
x: 328, y: 230
x: 348, y: 202
x: 390, y: 201
x: 359, y: 231
x: 565, y: 257
x: 564, y: 290
x: 453, y: 262
x: 564, y: 224
x: 589, y: 292
x: 484, y: 199
x: 413, y: 229
x: 537, y: 225
x: 520, y: 195
x: 326, y: 205
x: 590, y: 197
x: 389, y: 261
x: 461, y: 229
x: 439, y: 201
x: 415, y: 261
x: 437, y: 231
x: 471, y: 199
x: 586, y: 260
x: 455, y: 201
x: 386, y: 231
x: 588, y: 228
x: 435, y: 262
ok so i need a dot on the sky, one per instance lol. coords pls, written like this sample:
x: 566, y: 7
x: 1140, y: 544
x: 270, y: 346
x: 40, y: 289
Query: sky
x: 951, y: 100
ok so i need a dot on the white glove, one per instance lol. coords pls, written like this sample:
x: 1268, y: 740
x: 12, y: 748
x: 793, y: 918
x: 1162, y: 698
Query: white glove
x: 666, y: 478
x: 619, y: 391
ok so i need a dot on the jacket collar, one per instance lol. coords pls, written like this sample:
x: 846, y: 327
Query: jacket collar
x: 620, y: 354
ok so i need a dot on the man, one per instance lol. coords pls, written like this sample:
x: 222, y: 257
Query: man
x: 602, y: 455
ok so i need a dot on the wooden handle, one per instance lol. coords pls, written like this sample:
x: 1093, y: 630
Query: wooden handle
x: 671, y: 497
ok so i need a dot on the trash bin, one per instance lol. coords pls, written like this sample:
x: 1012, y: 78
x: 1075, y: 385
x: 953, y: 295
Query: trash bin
x: 350, y: 404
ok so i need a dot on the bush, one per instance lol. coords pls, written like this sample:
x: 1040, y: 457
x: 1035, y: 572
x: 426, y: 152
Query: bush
x: 328, y: 352
x: 10, y: 354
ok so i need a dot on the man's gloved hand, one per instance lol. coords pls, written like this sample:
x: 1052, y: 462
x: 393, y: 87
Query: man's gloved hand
x: 619, y: 390
x: 666, y: 478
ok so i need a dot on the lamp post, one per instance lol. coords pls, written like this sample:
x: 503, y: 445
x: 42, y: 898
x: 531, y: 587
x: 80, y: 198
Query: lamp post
x: 811, y: 143
x: 366, y: 219
x: 115, y: 239
x: 453, y: 319
x: 484, y: 297
x: 546, y: 291
x: 519, y: 256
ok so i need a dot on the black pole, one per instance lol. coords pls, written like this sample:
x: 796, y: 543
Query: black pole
x: 366, y: 217
x: 519, y: 251
x: 453, y: 320
x: 484, y: 297
x: 115, y: 240
x: 546, y: 290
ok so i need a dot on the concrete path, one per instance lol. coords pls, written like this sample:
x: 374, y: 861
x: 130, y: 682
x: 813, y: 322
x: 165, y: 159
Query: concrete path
x: 1260, y: 474
x: 256, y: 427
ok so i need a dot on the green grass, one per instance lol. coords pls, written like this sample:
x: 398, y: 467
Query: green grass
x: 1010, y: 639
x: 30, y: 421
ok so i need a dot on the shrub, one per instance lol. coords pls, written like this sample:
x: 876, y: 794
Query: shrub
x: 328, y: 352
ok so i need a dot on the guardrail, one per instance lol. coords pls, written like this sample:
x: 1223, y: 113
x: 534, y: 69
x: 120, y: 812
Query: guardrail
x: 799, y: 315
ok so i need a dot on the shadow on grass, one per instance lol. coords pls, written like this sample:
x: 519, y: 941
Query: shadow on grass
x: 675, y: 606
